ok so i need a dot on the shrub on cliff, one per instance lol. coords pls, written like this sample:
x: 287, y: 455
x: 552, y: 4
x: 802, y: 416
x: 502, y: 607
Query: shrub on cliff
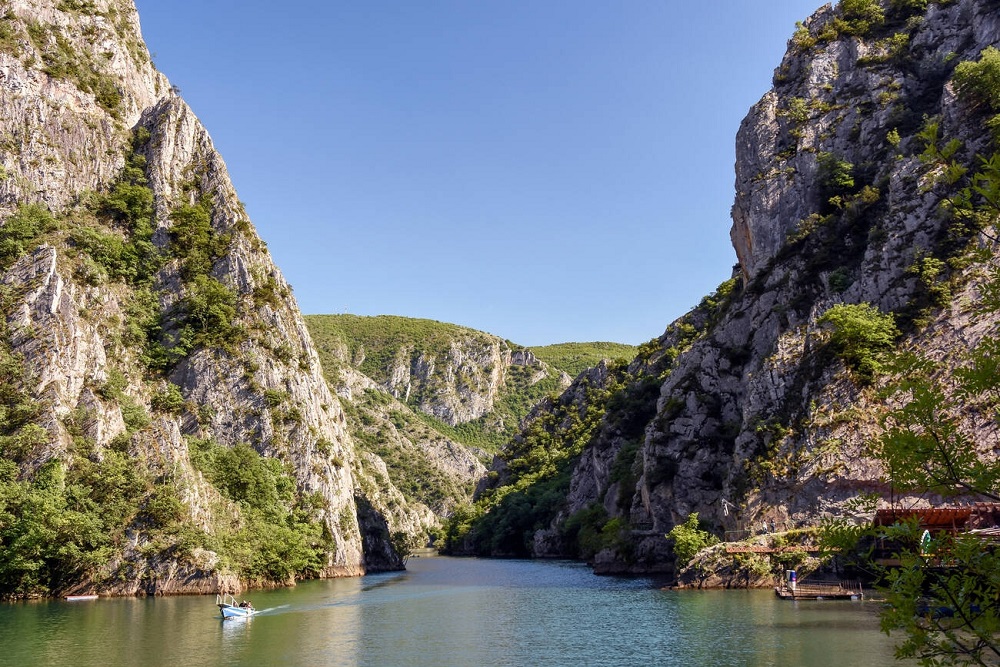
x: 688, y: 539
x: 980, y: 81
x: 21, y: 232
x: 861, y: 335
x: 860, y: 16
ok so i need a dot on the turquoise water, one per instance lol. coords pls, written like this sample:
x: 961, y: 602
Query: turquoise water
x: 460, y: 612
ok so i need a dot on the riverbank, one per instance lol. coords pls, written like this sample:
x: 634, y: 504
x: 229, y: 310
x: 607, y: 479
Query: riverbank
x: 757, y: 562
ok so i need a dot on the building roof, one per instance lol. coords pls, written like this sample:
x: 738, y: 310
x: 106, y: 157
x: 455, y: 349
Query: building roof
x: 929, y: 518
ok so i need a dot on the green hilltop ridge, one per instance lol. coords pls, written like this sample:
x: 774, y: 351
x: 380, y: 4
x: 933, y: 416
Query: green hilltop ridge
x: 380, y: 337
x: 453, y: 359
x: 575, y: 358
x: 371, y: 343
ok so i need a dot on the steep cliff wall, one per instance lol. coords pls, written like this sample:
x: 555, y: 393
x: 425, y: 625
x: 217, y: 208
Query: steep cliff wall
x: 845, y: 173
x: 147, y: 321
x: 757, y: 421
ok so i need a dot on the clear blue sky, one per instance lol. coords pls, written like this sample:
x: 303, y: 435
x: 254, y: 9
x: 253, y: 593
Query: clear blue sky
x: 544, y: 170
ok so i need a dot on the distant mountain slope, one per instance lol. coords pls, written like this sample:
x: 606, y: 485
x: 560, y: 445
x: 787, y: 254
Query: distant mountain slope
x: 434, y: 400
x: 470, y: 385
x: 422, y: 460
x: 575, y: 358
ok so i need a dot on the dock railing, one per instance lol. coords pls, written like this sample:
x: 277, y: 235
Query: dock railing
x: 822, y: 590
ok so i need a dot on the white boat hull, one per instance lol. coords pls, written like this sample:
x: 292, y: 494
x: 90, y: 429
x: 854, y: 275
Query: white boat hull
x: 229, y: 611
x: 229, y: 608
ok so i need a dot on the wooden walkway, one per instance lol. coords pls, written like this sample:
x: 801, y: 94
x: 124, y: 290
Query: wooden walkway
x: 844, y: 590
x: 738, y: 549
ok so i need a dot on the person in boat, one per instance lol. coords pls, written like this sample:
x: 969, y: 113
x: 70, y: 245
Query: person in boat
x: 246, y: 605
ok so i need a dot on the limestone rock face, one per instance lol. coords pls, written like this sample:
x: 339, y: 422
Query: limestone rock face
x: 446, y: 469
x: 456, y: 386
x: 452, y: 373
x: 77, y: 88
x: 277, y: 356
x: 63, y: 134
x: 756, y: 420
x: 824, y: 101
x: 462, y: 382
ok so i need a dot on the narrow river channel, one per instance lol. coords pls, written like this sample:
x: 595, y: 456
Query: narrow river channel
x: 453, y: 612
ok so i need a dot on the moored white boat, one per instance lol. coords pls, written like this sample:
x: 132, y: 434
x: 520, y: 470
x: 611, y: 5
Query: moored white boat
x: 231, y: 609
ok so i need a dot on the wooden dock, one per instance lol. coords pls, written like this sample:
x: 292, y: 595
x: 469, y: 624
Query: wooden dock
x: 843, y: 590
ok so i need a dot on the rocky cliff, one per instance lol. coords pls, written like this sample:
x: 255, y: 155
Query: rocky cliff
x: 847, y: 177
x: 456, y: 375
x: 145, y: 321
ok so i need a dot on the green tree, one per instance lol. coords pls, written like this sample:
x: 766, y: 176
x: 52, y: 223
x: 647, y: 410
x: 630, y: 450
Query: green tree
x: 688, y: 539
x: 835, y: 175
x: 914, y: 6
x: 211, y: 310
x: 980, y: 79
x: 194, y: 240
x: 21, y: 231
x: 861, y: 335
x: 861, y: 16
x: 947, y: 615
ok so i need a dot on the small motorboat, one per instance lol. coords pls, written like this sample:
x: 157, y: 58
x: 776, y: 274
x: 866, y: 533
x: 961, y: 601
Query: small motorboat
x: 230, y: 608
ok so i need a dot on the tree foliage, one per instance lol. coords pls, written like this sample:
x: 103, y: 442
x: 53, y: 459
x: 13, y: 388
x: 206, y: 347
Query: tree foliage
x: 21, y: 231
x: 504, y: 517
x: 944, y: 599
x: 278, y: 534
x: 924, y: 445
x: 688, y: 539
x: 861, y: 335
x: 980, y: 81
x: 194, y: 241
x: 981, y: 78
x: 859, y: 17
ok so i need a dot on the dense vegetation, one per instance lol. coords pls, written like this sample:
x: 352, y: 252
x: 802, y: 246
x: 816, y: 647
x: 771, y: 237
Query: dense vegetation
x: 862, y: 336
x: 688, y: 539
x: 503, y: 519
x: 276, y: 533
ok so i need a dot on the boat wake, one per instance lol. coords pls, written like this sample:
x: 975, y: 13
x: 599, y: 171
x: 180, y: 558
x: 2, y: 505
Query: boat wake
x: 269, y: 609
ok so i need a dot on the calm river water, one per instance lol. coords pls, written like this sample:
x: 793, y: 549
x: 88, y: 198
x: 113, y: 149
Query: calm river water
x: 460, y: 612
